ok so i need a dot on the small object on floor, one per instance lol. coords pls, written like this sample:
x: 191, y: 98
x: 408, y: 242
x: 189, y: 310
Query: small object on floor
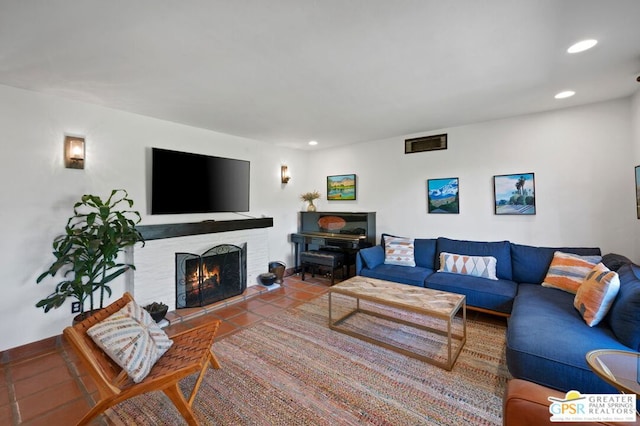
x: 267, y: 278
x: 277, y: 268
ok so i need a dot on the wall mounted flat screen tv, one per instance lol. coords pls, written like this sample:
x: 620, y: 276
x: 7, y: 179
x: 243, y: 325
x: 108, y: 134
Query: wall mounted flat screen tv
x: 182, y: 182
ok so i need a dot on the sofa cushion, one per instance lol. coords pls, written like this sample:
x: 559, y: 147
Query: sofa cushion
x: 596, y: 293
x: 547, y: 341
x: 615, y: 261
x: 567, y: 271
x: 530, y: 264
x: 494, y: 295
x: 425, y: 252
x: 399, y: 251
x: 501, y: 250
x: 412, y: 275
x: 372, y: 256
x: 477, y: 266
x: 624, y: 315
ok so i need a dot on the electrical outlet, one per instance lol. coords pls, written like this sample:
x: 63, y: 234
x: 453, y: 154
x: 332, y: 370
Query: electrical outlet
x: 75, y: 307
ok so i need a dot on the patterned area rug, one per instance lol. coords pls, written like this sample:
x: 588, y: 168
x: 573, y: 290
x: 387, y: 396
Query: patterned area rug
x: 293, y: 370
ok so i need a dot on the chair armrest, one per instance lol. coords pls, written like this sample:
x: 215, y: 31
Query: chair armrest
x: 527, y: 404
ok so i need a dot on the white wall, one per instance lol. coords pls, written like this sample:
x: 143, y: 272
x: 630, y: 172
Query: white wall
x: 583, y: 177
x: 583, y: 161
x: 38, y: 193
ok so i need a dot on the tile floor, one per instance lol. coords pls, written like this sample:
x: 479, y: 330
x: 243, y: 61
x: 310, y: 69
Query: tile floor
x: 43, y: 384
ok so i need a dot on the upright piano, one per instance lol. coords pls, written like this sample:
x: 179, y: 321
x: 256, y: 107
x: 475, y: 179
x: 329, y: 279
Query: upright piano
x: 344, y: 231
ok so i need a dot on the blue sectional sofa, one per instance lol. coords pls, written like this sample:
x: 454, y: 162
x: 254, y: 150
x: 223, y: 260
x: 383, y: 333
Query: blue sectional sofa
x: 547, y: 339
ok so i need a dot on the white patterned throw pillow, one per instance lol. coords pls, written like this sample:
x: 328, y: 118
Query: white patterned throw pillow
x: 141, y: 315
x: 132, y: 340
x: 399, y: 251
x: 477, y: 266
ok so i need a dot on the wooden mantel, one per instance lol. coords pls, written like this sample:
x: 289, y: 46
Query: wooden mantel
x: 170, y: 230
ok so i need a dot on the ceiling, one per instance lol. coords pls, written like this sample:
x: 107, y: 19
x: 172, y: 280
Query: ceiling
x: 335, y: 71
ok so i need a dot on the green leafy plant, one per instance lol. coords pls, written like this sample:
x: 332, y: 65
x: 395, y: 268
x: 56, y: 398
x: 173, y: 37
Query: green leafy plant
x: 86, y: 253
x: 156, y: 307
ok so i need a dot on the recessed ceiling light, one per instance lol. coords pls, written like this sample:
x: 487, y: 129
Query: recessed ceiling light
x: 581, y: 46
x: 313, y: 143
x: 565, y: 94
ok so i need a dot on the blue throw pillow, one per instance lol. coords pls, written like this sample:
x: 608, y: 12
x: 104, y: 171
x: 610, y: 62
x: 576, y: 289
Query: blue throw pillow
x: 624, y: 315
x: 372, y: 256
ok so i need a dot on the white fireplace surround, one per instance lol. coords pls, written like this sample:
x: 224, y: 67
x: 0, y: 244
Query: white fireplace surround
x: 154, y: 277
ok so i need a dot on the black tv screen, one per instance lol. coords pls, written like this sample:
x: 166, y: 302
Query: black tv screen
x: 182, y: 182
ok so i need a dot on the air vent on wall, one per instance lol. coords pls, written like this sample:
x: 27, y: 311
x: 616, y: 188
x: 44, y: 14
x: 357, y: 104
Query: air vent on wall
x: 425, y: 143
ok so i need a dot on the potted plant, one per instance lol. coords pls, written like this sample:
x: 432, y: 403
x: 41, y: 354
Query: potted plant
x: 309, y: 197
x: 86, y: 254
x: 157, y: 310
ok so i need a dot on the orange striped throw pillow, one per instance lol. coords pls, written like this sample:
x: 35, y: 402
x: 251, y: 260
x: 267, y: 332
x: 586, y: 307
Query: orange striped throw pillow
x: 567, y: 271
x: 596, y: 294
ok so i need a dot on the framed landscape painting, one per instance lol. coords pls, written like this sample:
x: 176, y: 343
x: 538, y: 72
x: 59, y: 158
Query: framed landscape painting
x: 515, y: 194
x: 341, y: 187
x: 443, y: 196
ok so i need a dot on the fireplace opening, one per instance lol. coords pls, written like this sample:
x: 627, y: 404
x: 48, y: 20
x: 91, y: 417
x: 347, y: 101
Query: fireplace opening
x: 217, y: 274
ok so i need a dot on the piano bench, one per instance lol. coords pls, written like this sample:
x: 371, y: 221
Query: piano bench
x: 317, y: 258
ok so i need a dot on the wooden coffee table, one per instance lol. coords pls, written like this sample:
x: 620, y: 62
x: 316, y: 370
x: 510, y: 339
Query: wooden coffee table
x: 426, y: 302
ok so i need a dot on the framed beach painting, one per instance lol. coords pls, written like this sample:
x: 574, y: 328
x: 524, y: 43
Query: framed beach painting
x: 515, y: 194
x: 638, y: 196
x: 443, y: 196
x: 341, y: 187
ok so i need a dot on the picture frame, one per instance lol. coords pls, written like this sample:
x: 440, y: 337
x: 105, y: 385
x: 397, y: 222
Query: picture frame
x: 443, y: 196
x: 341, y: 187
x: 514, y: 194
x: 637, y: 172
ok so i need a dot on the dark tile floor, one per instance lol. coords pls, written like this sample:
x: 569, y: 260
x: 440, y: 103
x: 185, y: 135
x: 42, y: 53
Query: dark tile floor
x: 43, y: 383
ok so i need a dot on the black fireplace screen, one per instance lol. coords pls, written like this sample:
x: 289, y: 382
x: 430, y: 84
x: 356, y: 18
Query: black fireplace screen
x: 217, y: 274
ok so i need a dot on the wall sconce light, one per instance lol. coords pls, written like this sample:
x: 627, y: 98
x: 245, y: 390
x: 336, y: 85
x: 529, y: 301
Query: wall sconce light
x: 73, y: 152
x: 284, y: 174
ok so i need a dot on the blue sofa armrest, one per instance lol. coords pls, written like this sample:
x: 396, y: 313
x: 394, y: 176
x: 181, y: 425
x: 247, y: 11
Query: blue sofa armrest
x: 369, y: 258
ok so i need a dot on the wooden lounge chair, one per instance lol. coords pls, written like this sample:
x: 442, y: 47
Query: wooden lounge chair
x: 190, y: 353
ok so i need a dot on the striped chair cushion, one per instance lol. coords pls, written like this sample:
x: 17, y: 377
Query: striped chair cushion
x: 567, y: 271
x: 596, y: 294
x: 478, y: 266
x: 135, y: 345
x: 399, y: 251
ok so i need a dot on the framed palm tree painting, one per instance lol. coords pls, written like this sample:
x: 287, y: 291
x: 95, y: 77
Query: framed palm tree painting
x: 515, y: 194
